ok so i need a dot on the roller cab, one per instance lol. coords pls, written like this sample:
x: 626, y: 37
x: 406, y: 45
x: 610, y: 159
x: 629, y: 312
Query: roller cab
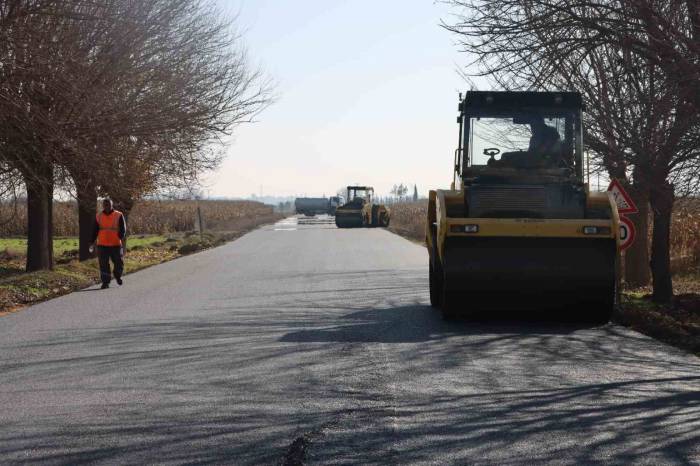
x: 519, y: 229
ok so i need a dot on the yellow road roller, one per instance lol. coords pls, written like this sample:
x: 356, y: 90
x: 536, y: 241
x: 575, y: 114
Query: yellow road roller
x: 360, y: 210
x: 519, y: 228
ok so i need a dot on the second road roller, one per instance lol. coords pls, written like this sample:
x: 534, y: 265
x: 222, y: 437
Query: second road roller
x: 360, y: 210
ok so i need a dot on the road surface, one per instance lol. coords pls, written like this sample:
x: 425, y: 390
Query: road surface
x: 303, y: 341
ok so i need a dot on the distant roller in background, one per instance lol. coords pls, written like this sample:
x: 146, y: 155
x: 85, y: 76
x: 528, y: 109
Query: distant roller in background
x: 360, y: 210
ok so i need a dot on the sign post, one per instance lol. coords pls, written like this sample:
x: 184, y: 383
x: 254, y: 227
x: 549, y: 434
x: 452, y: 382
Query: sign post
x: 625, y: 206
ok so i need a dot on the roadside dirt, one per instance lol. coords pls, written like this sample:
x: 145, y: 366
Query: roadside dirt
x: 677, y: 323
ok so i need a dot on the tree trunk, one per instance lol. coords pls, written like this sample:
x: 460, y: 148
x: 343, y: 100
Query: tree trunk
x: 661, y: 200
x: 637, y: 271
x: 39, y: 187
x: 87, y: 204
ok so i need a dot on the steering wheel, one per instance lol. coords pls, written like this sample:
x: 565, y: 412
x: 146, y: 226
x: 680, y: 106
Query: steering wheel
x: 492, y: 153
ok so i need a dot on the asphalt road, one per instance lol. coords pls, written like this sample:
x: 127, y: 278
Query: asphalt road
x: 300, y: 340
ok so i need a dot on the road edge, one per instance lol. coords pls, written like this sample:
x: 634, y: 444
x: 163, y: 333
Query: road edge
x: 83, y: 286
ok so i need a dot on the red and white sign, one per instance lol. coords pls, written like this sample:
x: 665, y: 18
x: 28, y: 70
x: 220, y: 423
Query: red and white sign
x: 625, y: 205
x: 627, y: 233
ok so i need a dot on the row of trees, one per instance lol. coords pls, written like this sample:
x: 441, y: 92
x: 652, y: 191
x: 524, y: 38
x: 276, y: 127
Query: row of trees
x: 118, y: 98
x: 637, y: 64
x: 400, y: 191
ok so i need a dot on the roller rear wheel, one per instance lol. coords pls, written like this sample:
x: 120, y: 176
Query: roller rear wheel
x: 448, y: 305
x: 435, y: 280
x: 374, y: 218
x: 449, y: 301
x: 597, y: 307
x: 348, y: 221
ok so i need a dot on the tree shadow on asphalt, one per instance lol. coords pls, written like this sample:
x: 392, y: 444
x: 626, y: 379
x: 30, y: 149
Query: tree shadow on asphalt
x: 369, y: 377
x: 379, y: 325
x: 634, y: 404
x: 650, y: 421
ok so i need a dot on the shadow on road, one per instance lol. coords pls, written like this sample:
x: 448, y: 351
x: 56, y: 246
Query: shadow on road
x: 360, y: 365
x: 380, y: 325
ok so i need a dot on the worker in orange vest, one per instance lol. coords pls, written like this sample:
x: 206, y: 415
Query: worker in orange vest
x: 108, y: 234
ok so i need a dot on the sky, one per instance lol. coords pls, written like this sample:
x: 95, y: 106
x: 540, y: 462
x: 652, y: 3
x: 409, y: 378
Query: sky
x: 367, y: 93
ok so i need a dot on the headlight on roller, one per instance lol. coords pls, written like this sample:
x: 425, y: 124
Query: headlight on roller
x: 464, y: 228
x: 590, y: 230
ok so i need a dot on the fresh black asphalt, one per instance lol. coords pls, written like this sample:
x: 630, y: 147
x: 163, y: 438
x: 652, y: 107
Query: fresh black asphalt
x: 301, y: 342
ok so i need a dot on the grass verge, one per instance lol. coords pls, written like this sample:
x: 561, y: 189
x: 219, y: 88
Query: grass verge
x: 67, y: 246
x: 19, y: 289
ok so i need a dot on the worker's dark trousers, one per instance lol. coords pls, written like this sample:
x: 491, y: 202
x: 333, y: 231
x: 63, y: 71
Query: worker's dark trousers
x: 104, y: 254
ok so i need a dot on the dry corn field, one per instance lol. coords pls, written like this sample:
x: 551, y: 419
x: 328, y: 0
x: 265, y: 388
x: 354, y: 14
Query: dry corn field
x: 149, y: 217
x: 685, y: 234
x: 408, y: 219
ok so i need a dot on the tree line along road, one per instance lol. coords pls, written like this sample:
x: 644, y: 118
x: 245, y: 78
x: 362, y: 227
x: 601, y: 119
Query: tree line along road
x: 302, y: 342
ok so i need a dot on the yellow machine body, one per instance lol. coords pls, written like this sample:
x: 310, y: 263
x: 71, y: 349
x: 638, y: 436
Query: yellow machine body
x: 440, y: 201
x: 523, y: 231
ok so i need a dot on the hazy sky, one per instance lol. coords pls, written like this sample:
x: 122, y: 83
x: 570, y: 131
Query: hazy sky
x: 367, y: 94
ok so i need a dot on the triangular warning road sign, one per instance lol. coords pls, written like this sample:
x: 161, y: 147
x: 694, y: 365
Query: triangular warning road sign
x: 625, y: 205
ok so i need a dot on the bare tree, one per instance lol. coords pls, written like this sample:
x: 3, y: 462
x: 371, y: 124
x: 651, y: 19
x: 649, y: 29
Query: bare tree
x: 399, y: 191
x: 124, y: 97
x: 30, y: 77
x: 189, y: 84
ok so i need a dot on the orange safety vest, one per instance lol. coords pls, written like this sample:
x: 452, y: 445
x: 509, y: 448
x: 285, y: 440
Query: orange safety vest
x: 108, y: 234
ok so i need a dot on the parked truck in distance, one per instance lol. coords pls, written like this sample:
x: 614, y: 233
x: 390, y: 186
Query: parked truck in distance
x: 333, y: 204
x: 311, y: 206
